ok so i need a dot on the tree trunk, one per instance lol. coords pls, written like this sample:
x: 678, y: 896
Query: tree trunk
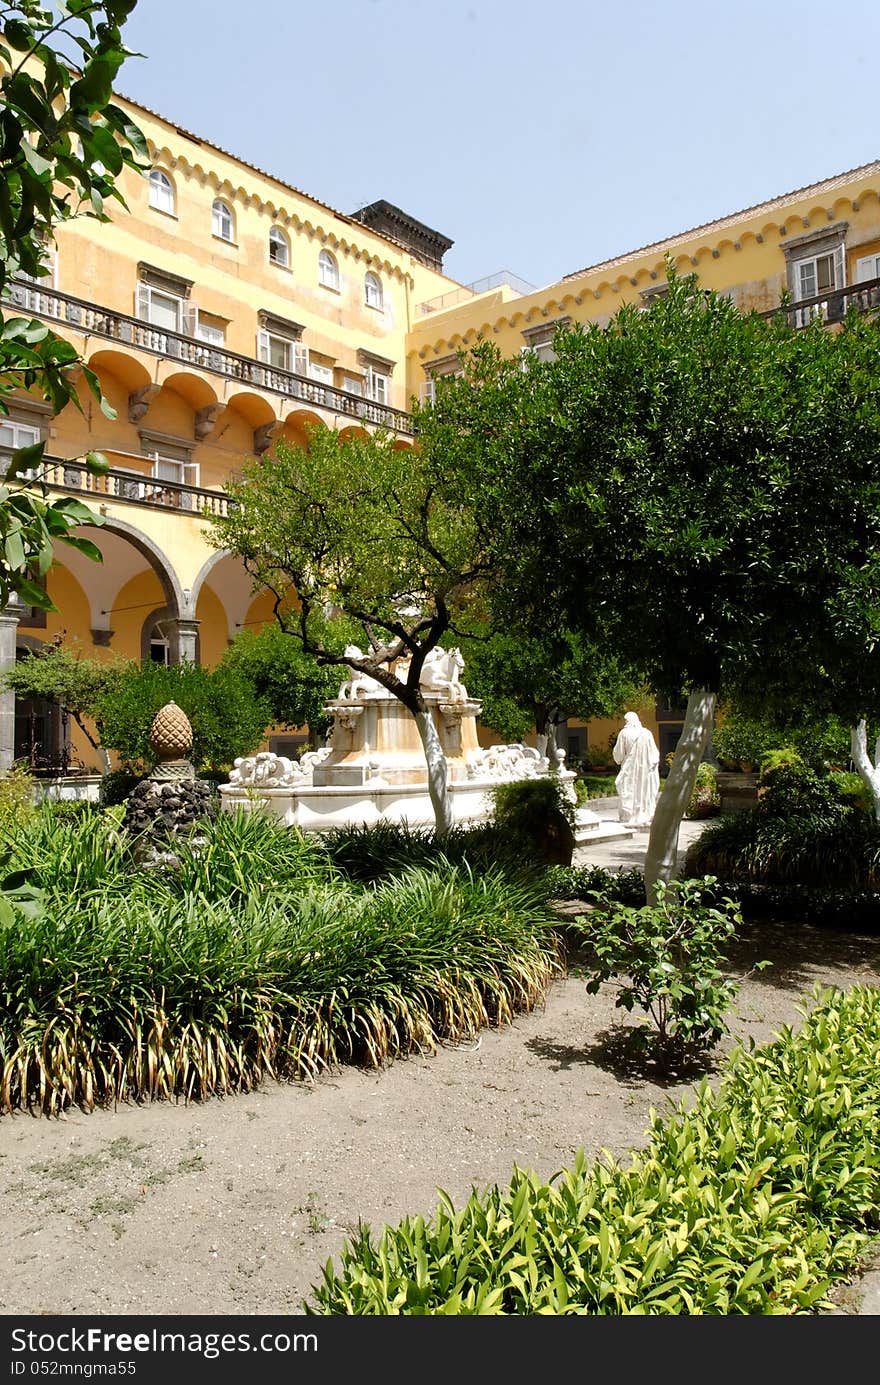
x: 870, y: 772
x: 436, y: 762
x: 660, y: 858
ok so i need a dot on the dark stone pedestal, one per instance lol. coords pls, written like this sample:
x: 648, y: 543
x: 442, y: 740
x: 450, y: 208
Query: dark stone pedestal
x: 738, y: 791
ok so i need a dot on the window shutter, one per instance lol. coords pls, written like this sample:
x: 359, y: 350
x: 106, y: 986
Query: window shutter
x: 300, y: 358
x: 868, y: 267
x: 839, y: 267
x: 189, y: 319
x: 263, y: 345
x: 142, y: 302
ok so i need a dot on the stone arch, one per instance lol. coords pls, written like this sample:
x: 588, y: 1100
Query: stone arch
x: 175, y: 595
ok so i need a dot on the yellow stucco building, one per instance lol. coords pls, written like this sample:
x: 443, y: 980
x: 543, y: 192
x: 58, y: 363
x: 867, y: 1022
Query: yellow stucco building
x: 226, y: 309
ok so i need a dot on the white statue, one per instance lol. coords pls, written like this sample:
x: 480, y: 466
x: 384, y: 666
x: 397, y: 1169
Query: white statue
x: 638, y: 782
x: 359, y: 684
x: 440, y: 673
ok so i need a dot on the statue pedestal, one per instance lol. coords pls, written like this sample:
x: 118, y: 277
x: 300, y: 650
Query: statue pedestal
x: 375, y: 771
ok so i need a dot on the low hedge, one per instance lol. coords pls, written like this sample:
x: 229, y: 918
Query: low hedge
x: 751, y: 1201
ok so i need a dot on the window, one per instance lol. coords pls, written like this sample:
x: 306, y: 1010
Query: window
x: 159, y: 308
x: 445, y: 367
x: 817, y: 275
x: 222, y: 223
x: 30, y: 291
x: 284, y: 353
x: 352, y: 384
x: 328, y: 270
x: 279, y: 344
x: 539, y: 340
x: 159, y: 646
x: 378, y: 386
x: 868, y: 267
x: 817, y: 265
x: 162, y: 300
x: 377, y: 376
x: 373, y: 291
x: 13, y: 435
x: 215, y: 334
x: 161, y: 192
x: 279, y: 248
x: 172, y: 462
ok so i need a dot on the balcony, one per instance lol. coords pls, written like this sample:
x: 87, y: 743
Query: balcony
x: 86, y: 317
x: 134, y: 485
x: 831, y: 307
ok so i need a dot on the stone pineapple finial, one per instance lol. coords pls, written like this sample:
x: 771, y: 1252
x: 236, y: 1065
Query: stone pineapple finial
x: 170, y: 733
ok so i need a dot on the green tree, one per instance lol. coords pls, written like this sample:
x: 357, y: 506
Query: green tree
x: 64, y: 676
x: 63, y: 142
x: 535, y: 680
x: 376, y: 534
x: 703, y: 486
x: 227, y: 720
x: 293, y: 684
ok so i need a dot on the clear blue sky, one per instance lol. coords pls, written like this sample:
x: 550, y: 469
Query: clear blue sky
x: 541, y: 137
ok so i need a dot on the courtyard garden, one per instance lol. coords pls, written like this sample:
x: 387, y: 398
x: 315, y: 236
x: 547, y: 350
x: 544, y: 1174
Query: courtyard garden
x: 388, y: 1016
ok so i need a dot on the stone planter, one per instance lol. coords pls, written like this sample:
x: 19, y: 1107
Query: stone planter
x: 738, y: 791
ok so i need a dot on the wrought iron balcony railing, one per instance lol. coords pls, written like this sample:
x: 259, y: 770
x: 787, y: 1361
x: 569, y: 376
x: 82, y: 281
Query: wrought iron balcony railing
x: 131, y: 331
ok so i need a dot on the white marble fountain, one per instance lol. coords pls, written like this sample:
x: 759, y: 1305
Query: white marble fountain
x: 374, y: 769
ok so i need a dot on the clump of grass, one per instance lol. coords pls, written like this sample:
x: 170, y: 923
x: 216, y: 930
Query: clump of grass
x: 167, y: 990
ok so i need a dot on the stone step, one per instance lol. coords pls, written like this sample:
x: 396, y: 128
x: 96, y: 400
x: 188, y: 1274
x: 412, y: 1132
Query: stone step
x: 590, y: 827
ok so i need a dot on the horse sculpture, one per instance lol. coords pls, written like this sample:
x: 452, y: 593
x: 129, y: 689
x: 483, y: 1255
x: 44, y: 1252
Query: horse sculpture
x: 441, y: 673
x: 359, y: 684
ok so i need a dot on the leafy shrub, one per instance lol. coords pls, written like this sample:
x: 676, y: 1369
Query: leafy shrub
x: 254, y: 958
x: 670, y: 954
x: 743, y: 739
x: 804, y: 830
x: 855, y: 910
x: 583, y: 882
x: 538, y: 816
x: 750, y: 1201
x: 366, y: 854
x: 705, y: 800
x: 227, y: 718
x: 16, y: 795
x: 853, y: 790
x: 68, y: 809
x: 598, y: 757
x: 600, y: 785
x: 115, y: 786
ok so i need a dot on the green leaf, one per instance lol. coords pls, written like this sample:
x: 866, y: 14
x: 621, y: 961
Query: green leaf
x: 19, y: 34
x: 40, y: 166
x: 85, y: 546
x: 76, y: 511
x: 32, y: 594
x: 25, y: 459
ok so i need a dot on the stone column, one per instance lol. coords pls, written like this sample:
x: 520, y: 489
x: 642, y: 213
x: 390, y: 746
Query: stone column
x: 187, y: 634
x: 9, y: 618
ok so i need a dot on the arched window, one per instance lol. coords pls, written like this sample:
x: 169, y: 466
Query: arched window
x: 328, y: 270
x: 222, y: 223
x: 373, y: 291
x: 279, y: 247
x: 161, y: 191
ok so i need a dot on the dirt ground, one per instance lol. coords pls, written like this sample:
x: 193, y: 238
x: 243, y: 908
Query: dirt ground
x: 233, y: 1206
